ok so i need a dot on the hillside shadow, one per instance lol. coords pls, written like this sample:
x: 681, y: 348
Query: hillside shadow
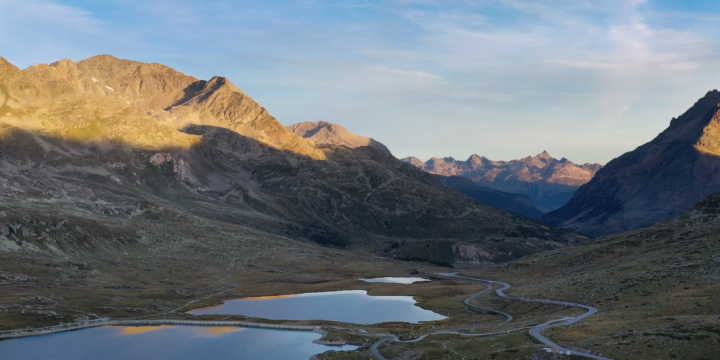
x: 358, y: 194
x: 176, y: 175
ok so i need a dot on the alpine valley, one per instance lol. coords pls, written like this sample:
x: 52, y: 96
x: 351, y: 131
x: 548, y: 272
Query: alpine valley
x: 108, y: 164
x: 131, y: 193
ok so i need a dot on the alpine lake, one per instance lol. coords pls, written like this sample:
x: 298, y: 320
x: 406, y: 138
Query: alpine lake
x: 194, y: 342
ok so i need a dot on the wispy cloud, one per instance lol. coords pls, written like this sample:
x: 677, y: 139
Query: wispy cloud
x: 591, y: 65
x: 516, y: 76
x: 43, y: 13
x: 486, y: 96
x: 417, y: 74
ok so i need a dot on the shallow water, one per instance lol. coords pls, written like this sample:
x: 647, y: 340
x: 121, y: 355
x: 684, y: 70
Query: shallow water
x: 396, y: 280
x: 351, y: 306
x: 166, y: 342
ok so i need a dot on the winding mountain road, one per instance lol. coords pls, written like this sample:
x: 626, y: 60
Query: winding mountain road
x: 534, y: 331
x: 508, y: 317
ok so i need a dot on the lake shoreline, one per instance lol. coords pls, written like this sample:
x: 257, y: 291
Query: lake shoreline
x: 20, y: 333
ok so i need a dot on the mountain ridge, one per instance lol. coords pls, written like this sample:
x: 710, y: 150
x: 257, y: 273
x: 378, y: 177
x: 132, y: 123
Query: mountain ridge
x: 656, y: 181
x: 160, y: 90
x: 549, y: 182
x: 126, y: 133
x: 323, y: 132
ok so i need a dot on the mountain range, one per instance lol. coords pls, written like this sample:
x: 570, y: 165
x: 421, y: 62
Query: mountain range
x: 124, y: 132
x: 657, y: 181
x: 550, y: 183
x: 334, y: 134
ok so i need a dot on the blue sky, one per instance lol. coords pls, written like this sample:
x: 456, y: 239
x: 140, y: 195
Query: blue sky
x: 583, y: 79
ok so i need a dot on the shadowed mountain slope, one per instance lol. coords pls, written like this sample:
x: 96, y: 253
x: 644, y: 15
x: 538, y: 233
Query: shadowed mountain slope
x: 654, y: 182
x: 126, y: 132
x: 517, y: 203
x: 323, y: 132
x: 549, y: 182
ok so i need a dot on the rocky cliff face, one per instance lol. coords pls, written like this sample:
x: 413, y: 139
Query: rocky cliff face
x: 118, y: 132
x: 654, y: 182
x: 549, y: 182
x: 323, y: 132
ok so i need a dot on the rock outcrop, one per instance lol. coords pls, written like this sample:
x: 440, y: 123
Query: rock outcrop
x: 656, y: 181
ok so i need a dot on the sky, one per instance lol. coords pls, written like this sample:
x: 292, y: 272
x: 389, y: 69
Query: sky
x: 583, y: 79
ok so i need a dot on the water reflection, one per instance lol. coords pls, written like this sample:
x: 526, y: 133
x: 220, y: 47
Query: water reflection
x: 396, y: 280
x: 352, y: 306
x: 166, y: 342
x: 132, y: 330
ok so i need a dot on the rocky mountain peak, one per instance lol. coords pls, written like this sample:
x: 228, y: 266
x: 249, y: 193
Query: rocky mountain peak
x: 324, y: 132
x: 62, y: 63
x: 145, y: 86
x: 643, y: 186
x: 477, y: 161
x: 709, y: 142
x: 147, y: 89
x: 218, y: 82
x: 414, y: 161
x: 550, y: 183
x: 540, y: 160
x: 707, y: 101
x: 544, y: 155
x: 8, y: 71
x: 67, y: 71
